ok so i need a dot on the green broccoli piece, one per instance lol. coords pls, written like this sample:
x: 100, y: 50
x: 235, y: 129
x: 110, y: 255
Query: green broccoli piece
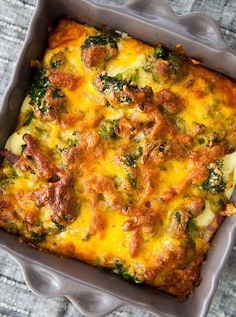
x: 70, y: 142
x: 39, y: 86
x: 108, y: 129
x: 162, y: 52
x: 107, y: 37
x: 180, y: 124
x: 101, y: 39
x: 191, y: 226
x: 174, y: 61
x: 167, y: 55
x: 122, y: 272
x: 215, y: 183
x: 130, y: 159
x: 58, y: 225
x: 125, y: 91
x: 13, y: 228
x: 37, y: 237
x: 134, y: 77
x: 115, y: 83
x: 132, y: 180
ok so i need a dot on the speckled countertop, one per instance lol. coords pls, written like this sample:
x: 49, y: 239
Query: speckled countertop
x: 16, y: 300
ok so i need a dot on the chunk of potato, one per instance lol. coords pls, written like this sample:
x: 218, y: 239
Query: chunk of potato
x: 14, y: 143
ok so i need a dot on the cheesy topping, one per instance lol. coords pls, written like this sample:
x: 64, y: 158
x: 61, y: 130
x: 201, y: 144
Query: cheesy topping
x: 123, y: 157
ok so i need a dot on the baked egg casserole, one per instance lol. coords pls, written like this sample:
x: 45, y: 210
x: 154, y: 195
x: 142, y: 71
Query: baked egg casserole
x: 123, y: 157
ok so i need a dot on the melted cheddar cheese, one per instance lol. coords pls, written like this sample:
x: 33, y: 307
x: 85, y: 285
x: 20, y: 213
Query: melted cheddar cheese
x: 123, y: 157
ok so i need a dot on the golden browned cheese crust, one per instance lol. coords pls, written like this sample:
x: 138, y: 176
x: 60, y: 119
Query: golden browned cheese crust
x: 123, y: 157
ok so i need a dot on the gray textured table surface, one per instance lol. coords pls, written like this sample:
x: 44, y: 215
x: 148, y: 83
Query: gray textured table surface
x: 15, y: 297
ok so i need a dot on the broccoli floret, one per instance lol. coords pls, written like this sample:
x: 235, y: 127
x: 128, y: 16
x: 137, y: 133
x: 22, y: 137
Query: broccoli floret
x: 13, y: 228
x: 130, y: 159
x: 191, y: 226
x: 134, y: 77
x: 107, y: 37
x: 108, y: 129
x: 167, y: 55
x: 37, y: 237
x: 122, y: 90
x: 174, y: 62
x: 162, y: 52
x: 132, y: 180
x: 215, y: 183
x: 70, y: 141
x: 39, y: 86
x: 4, y: 180
x: 44, y: 96
x: 122, y: 272
x: 58, y: 225
x: 70, y: 144
x: 101, y: 39
x: 180, y: 124
x: 211, y: 138
x: 115, y: 83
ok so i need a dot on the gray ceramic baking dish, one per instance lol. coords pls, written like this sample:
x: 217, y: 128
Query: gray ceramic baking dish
x: 96, y: 293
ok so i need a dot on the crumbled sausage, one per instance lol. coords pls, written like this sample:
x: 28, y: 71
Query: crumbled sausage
x: 135, y: 243
x: 98, y: 223
x: 142, y: 218
x: 161, y: 69
x: 64, y: 80
x: 44, y: 166
x: 97, y: 55
x: 60, y: 198
x: 121, y: 91
x: 168, y: 101
x: 57, y: 60
x: 17, y: 160
x: 12, y: 158
x: 52, y: 108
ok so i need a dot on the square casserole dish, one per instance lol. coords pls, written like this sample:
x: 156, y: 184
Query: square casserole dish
x: 94, y: 292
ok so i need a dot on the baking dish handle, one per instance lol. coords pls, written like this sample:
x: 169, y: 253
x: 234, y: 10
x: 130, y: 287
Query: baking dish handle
x: 89, y: 301
x: 199, y: 26
x: 151, y: 7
